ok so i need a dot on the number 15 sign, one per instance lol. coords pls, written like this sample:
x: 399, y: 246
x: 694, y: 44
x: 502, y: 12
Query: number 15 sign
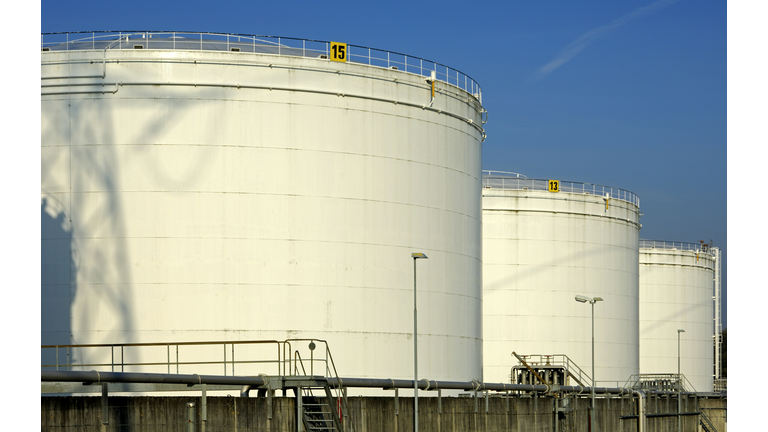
x: 338, y: 51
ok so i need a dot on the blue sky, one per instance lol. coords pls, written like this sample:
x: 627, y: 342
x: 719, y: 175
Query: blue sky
x: 629, y: 94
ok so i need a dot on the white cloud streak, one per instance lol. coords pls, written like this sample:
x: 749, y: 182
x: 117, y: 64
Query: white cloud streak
x: 577, y: 46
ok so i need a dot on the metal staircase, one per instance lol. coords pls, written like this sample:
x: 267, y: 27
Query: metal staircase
x: 320, y: 412
x: 706, y: 423
x: 319, y: 406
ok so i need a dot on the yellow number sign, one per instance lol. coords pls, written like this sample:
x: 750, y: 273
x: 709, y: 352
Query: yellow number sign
x: 554, y: 185
x: 338, y: 51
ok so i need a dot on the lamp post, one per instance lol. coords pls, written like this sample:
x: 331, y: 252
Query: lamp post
x: 415, y: 256
x: 592, y: 301
x: 679, y: 383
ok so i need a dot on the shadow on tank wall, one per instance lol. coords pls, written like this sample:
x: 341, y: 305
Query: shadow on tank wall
x: 87, y: 279
x: 57, y: 276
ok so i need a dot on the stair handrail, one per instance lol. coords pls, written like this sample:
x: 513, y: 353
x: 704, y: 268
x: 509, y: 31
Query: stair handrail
x: 338, y: 389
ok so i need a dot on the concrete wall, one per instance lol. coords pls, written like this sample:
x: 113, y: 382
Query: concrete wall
x: 372, y: 414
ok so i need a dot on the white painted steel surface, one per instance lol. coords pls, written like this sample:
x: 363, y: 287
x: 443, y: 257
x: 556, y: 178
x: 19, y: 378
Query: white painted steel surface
x: 676, y: 292
x: 200, y: 195
x: 540, y: 250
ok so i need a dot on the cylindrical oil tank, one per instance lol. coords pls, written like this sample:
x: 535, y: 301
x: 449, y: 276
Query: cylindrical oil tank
x: 544, y: 243
x: 676, y: 292
x: 200, y: 187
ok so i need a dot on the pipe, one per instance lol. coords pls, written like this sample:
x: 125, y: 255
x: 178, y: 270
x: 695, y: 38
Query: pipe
x: 152, y: 378
x: 423, y: 384
x: 641, y: 410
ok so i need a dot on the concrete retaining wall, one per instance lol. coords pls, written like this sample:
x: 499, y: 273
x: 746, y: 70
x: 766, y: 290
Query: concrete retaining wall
x: 373, y: 414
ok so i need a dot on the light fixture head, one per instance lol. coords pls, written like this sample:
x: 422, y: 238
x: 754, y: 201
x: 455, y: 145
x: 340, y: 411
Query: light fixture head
x: 417, y: 255
x: 597, y: 299
x: 680, y: 331
x: 582, y: 299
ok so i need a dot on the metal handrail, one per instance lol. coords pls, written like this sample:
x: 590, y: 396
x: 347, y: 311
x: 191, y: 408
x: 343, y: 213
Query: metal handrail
x: 511, y: 182
x: 281, y: 361
x: 673, y: 381
x: 671, y: 245
x: 206, y: 41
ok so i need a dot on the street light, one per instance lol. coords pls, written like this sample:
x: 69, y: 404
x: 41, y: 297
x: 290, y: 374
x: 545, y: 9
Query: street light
x: 679, y: 382
x: 415, y: 256
x: 592, y: 301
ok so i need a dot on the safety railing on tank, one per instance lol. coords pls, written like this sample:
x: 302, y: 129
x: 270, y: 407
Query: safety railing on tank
x: 201, y: 41
x: 672, y: 245
x: 501, y: 180
x: 241, y: 358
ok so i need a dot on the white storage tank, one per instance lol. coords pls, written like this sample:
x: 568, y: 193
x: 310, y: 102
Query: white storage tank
x: 201, y: 187
x: 676, y: 293
x: 544, y: 243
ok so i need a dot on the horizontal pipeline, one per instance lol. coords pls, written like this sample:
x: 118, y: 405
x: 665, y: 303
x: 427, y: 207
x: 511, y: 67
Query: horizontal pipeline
x: 192, y: 379
x: 150, y: 378
x: 424, y: 384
